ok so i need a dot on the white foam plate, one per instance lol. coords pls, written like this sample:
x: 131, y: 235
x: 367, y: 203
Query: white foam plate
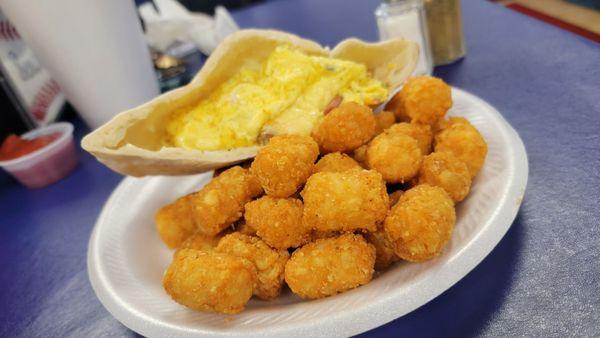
x: 126, y: 258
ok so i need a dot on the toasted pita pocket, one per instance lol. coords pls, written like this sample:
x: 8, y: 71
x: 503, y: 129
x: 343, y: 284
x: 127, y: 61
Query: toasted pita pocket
x: 132, y: 142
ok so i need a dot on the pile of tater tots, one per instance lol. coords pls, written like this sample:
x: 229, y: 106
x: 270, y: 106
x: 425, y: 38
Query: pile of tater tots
x: 323, y: 212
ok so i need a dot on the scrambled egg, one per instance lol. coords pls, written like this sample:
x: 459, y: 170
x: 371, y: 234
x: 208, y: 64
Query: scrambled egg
x: 286, y: 95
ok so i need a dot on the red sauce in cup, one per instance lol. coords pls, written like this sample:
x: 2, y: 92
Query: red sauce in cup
x: 15, y: 146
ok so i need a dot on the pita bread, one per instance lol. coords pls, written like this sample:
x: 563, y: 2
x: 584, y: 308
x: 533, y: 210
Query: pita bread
x: 132, y: 142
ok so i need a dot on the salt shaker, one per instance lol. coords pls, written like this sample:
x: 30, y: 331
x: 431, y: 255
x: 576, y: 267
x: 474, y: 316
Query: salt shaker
x: 406, y: 19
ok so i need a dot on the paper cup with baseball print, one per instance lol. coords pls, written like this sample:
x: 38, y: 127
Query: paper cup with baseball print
x: 94, y: 49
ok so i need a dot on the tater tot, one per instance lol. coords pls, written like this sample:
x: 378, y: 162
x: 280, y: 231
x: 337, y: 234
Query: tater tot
x: 253, y: 183
x: 255, y: 188
x: 345, y: 128
x: 384, y: 120
x: 447, y: 172
x: 346, y: 201
x: 210, y: 281
x: 284, y: 164
x: 360, y: 156
x: 395, y: 106
x: 336, y: 162
x: 175, y: 223
x: 420, y: 132
x: 199, y: 241
x: 269, y: 263
x: 329, y: 266
x: 465, y: 142
x: 384, y: 249
x: 421, y: 223
x: 423, y: 99
x: 221, y: 202
x: 445, y: 123
x: 278, y: 221
x: 396, y: 156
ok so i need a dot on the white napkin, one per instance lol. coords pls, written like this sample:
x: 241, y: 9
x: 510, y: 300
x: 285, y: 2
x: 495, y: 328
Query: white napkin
x: 173, y: 22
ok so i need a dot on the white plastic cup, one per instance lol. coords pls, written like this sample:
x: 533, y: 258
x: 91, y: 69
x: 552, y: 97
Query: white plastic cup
x: 94, y: 49
x: 47, y: 164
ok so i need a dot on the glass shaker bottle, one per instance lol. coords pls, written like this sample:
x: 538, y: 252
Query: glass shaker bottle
x: 406, y: 19
x: 444, y: 22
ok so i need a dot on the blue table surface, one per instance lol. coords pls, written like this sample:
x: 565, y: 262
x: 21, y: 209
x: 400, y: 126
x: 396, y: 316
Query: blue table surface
x: 541, y: 280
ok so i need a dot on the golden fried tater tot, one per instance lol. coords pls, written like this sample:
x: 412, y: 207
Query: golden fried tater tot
x: 210, y: 281
x: 384, y: 120
x: 420, y: 132
x: 447, y: 172
x: 384, y: 249
x: 269, y: 263
x: 345, y: 128
x: 423, y: 99
x: 360, y: 156
x: 395, y: 106
x: 278, y: 221
x: 254, y: 185
x: 335, y: 162
x: 421, y: 223
x: 346, y: 201
x: 199, y: 241
x: 395, y: 197
x: 285, y: 163
x: 396, y: 156
x: 445, y: 123
x: 175, y: 223
x: 329, y: 266
x: 221, y: 202
x: 465, y: 142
